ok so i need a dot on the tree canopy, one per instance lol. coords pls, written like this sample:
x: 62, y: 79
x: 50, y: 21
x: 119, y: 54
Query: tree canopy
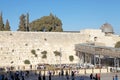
x: 4, y: 27
x: 22, y: 23
x: 47, y: 23
x: 1, y: 23
x: 7, y: 26
x: 117, y: 45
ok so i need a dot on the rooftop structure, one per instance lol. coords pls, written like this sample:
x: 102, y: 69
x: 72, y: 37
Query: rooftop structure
x: 101, y: 50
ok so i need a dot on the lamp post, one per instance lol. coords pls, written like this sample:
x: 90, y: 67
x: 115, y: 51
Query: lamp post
x: 94, y: 60
x: 60, y: 58
x: 115, y: 64
x: 99, y: 61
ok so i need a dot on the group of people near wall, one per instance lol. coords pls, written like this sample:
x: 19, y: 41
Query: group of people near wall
x: 96, y: 77
x: 17, y: 75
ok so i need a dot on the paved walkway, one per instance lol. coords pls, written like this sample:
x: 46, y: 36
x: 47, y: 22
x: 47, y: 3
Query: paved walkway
x: 108, y: 76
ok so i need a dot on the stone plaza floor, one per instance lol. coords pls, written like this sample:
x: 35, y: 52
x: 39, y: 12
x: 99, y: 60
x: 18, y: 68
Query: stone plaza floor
x: 103, y: 76
x: 107, y: 76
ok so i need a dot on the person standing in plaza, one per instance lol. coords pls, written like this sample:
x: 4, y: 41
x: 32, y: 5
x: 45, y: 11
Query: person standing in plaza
x: 59, y: 74
x: 113, y: 77
x: 44, y: 76
x: 91, y: 76
x: 96, y: 77
x: 49, y: 75
x: 53, y: 73
x: 39, y: 77
x: 62, y: 72
x: 116, y: 77
x: 23, y: 78
x: 67, y: 76
x: 72, y: 75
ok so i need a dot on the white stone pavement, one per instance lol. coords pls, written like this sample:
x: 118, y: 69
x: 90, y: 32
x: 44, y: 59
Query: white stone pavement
x: 108, y: 76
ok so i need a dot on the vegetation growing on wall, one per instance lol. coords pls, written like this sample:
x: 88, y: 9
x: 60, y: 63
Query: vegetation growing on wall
x: 44, y: 54
x: 12, y: 62
x: 34, y: 52
x: 26, y: 62
x: 57, y: 53
x: 71, y: 58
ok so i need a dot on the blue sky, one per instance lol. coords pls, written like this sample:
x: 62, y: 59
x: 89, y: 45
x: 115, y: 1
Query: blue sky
x: 75, y: 14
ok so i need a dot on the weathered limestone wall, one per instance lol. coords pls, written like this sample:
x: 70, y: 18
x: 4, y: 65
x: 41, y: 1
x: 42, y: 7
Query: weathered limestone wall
x: 15, y: 47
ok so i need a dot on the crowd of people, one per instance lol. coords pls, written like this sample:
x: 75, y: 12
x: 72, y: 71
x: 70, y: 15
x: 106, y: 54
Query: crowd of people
x: 22, y: 75
x: 63, y: 75
x: 96, y: 77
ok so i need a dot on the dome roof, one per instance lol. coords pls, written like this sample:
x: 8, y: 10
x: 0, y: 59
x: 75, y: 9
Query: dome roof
x: 107, y: 28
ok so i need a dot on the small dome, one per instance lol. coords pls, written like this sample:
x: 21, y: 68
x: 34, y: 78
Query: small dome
x: 107, y: 28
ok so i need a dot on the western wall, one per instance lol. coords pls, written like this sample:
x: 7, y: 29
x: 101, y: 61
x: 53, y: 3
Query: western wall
x: 15, y: 47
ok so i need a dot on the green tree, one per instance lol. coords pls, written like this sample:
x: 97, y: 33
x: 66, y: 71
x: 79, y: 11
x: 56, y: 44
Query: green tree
x: 1, y: 23
x: 22, y: 24
x: 47, y: 23
x: 27, y: 22
x: 71, y: 58
x: 7, y: 26
x: 117, y: 45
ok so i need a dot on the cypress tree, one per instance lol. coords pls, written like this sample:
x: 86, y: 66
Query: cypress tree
x: 27, y: 22
x: 22, y: 24
x: 1, y: 23
x: 7, y: 26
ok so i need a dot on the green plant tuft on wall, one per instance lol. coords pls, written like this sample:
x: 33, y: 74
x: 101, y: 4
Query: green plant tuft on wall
x: 57, y: 53
x: 44, y: 56
x: 44, y: 52
x: 34, y: 52
x: 71, y: 58
x: 26, y: 62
